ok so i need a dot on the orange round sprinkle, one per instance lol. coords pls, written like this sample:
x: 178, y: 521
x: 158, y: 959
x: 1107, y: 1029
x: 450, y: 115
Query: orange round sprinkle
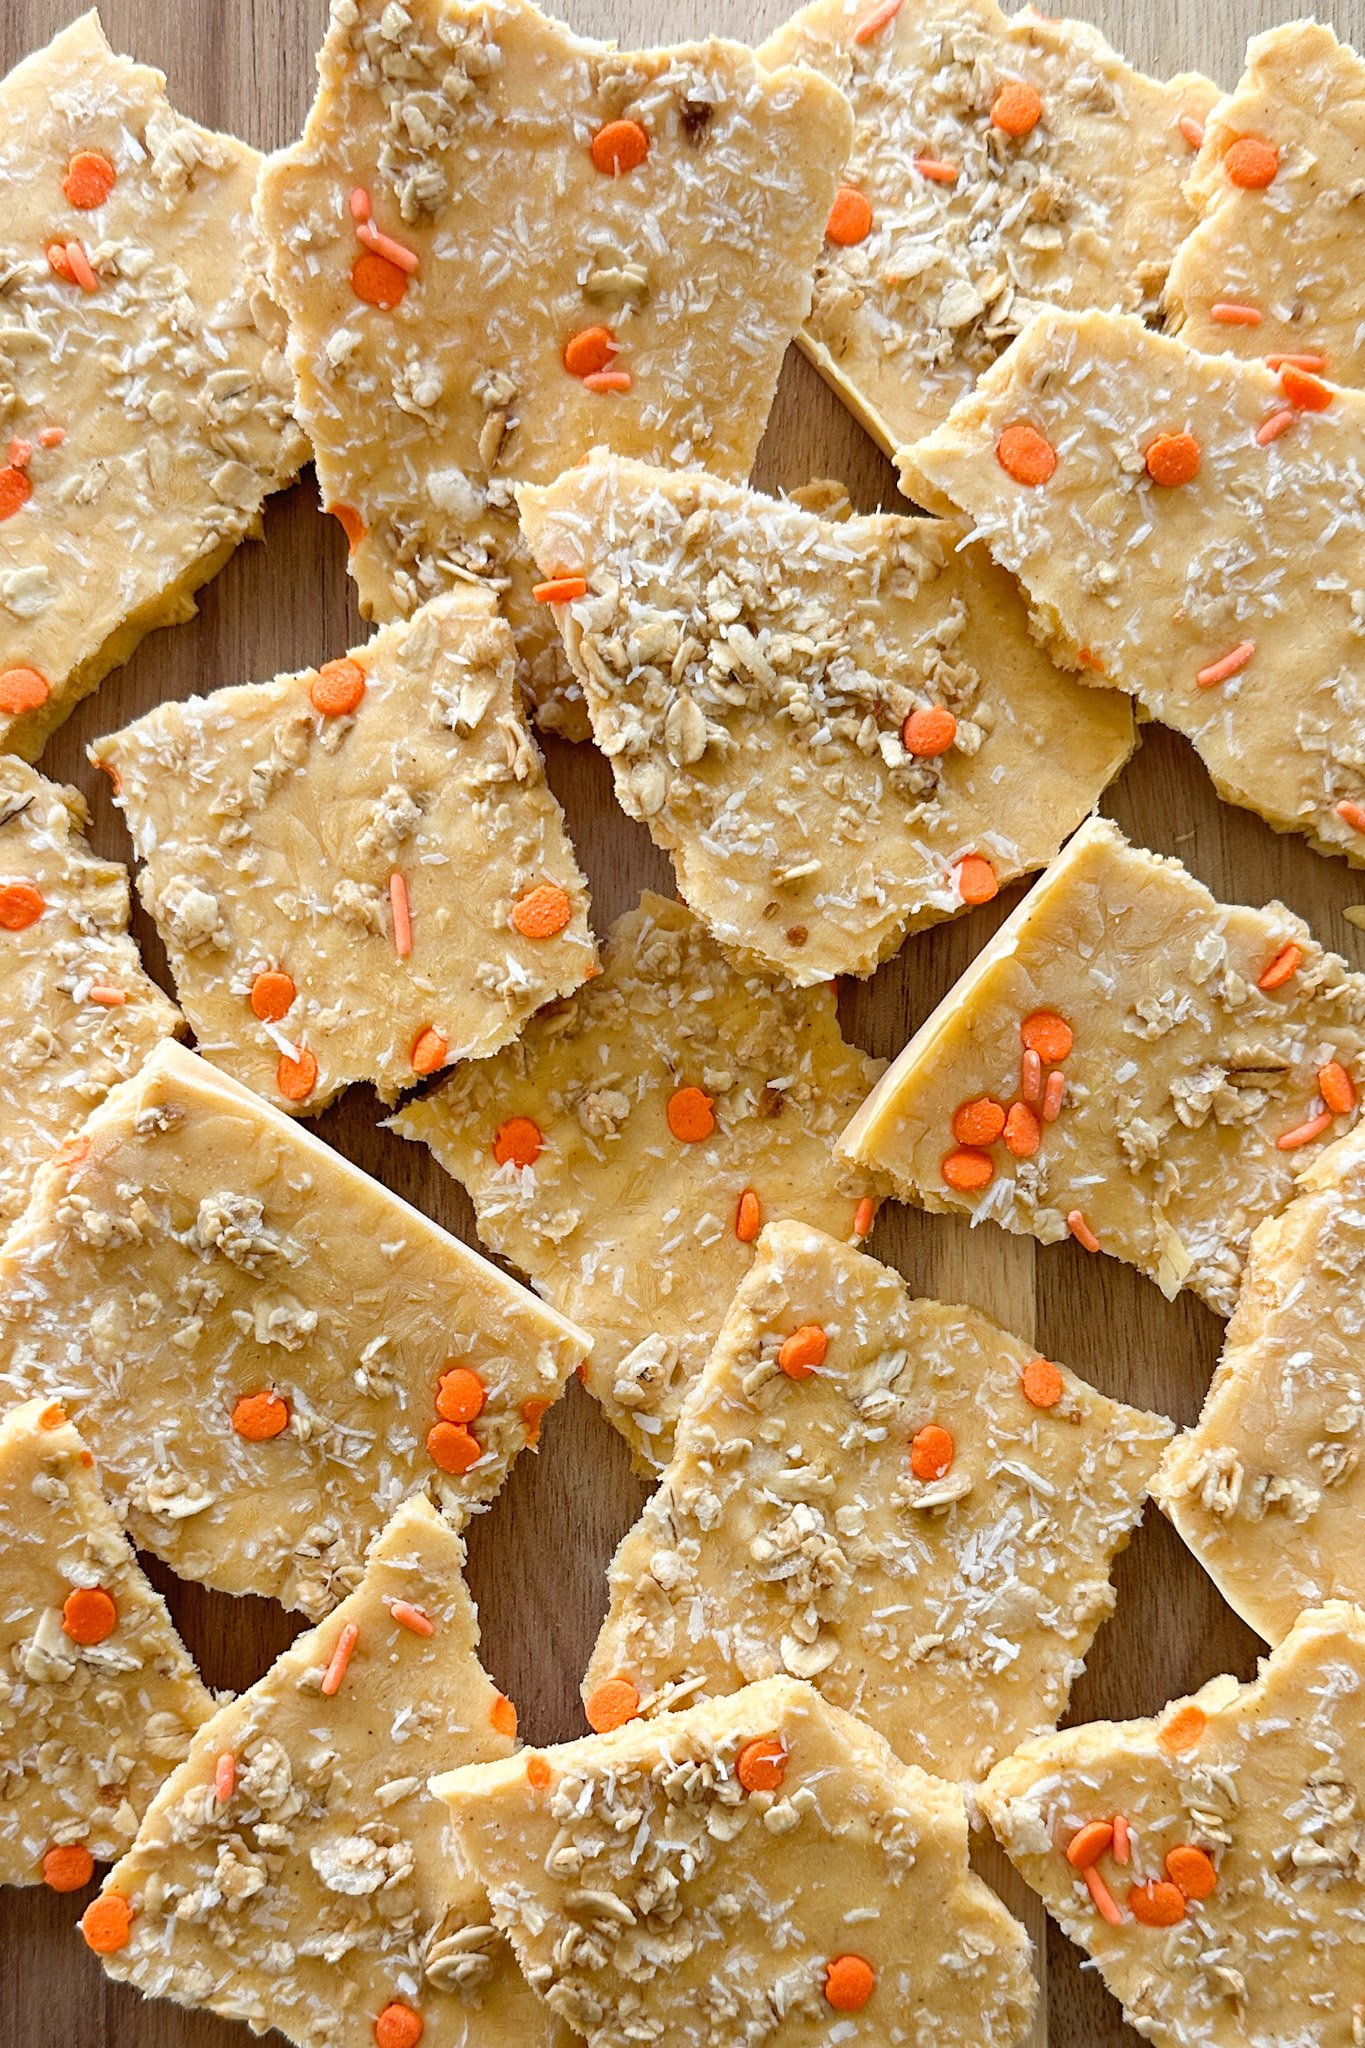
x: 1026, y: 455
x: 453, y: 1447
x: 1191, y: 1871
x: 967, y: 1170
x: 928, y: 733
x: 543, y: 911
x: 259, y: 1417
x: 1251, y: 162
x: 1017, y: 109
x: 761, y: 1766
x: 803, y: 1352
x: 106, y: 1923
x: 398, y: 2026
x: 22, y: 689
x: 518, y: 1141
x: 68, y: 1868
x: 612, y: 1705
x: 503, y: 1716
x: 850, y: 218
x: 975, y: 878
x: 1023, y: 1131
x: 1041, y: 1383
x: 618, y: 147
x: 1282, y: 968
x: 748, y: 1217
x: 89, y: 1616
x: 1089, y: 1843
x: 560, y: 590
x: 337, y: 688
x: 589, y: 351
x: 1049, y: 1035
x: 932, y: 1451
x: 429, y: 1051
x: 15, y: 491
x: 377, y: 281
x: 1304, y: 390
x: 1173, y: 459
x: 1185, y: 1729
x: 690, y: 1115
x: 89, y: 179
x: 849, y: 1983
x: 1336, y: 1088
x: 20, y: 906
x: 296, y: 1079
x: 1157, y: 1904
x: 538, y: 1773
x: 461, y: 1395
x: 978, y: 1122
x: 272, y: 995
x: 351, y: 524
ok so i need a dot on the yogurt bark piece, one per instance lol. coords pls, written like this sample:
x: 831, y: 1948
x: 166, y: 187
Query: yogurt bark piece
x: 626, y: 1151
x: 145, y: 399
x: 1128, y: 1061
x: 841, y: 732
x: 999, y: 165
x: 98, y: 1697
x: 1266, y: 1489
x: 1190, y: 529
x: 758, y: 1868
x: 556, y: 244
x: 359, y: 873
x: 1210, y: 1861
x: 324, y: 1349
x: 295, y: 1872
x: 893, y: 1498
x: 77, y: 1013
x: 1273, y: 267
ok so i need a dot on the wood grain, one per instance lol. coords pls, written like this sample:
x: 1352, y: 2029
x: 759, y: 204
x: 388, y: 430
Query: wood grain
x: 537, y: 1560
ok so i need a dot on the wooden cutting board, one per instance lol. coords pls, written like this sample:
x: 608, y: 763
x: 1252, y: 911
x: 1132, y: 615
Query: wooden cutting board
x: 537, y: 1561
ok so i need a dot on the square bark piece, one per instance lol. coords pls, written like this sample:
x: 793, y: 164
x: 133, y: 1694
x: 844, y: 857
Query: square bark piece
x: 1191, y: 529
x: 146, y: 400
x: 627, y: 1150
x: 295, y: 1872
x: 98, y: 1697
x: 359, y: 873
x: 1000, y: 165
x: 1227, y: 1908
x: 684, y: 1880
x: 77, y: 1013
x: 256, y: 1337
x: 1128, y: 1061
x: 841, y: 732
x: 895, y: 1499
x: 561, y: 244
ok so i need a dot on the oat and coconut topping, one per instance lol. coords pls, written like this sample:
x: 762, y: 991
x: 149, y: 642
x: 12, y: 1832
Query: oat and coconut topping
x: 1128, y: 1062
x: 98, y: 1698
x: 359, y: 873
x: 627, y: 1150
x: 841, y: 732
x: 760, y: 1869
x: 144, y: 394
x: 267, y: 1349
x: 500, y: 245
x: 999, y: 166
x: 1212, y: 1861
